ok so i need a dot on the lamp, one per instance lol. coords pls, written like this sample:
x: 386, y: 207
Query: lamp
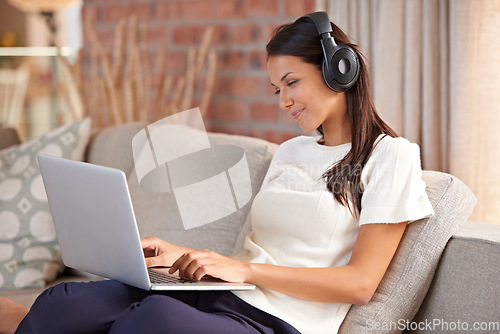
x: 41, y: 5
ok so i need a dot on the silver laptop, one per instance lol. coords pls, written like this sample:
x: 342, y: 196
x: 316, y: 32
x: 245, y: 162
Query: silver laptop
x: 96, y: 227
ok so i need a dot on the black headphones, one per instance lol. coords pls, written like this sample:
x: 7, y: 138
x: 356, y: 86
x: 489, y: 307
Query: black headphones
x: 340, y: 67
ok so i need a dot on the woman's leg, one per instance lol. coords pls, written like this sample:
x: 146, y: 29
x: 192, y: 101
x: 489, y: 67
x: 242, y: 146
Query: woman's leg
x: 164, y: 314
x: 216, y: 312
x: 80, y: 307
x: 99, y: 307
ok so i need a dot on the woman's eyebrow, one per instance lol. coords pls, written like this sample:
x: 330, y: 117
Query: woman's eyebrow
x: 282, y: 78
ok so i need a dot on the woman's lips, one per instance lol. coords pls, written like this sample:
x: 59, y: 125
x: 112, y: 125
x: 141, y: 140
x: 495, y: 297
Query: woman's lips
x: 297, y: 113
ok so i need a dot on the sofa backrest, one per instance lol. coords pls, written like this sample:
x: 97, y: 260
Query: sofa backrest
x: 157, y: 213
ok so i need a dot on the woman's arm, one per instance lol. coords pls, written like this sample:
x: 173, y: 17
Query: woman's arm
x: 354, y: 283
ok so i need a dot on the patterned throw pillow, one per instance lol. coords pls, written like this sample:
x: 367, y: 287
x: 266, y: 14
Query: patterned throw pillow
x: 29, y: 255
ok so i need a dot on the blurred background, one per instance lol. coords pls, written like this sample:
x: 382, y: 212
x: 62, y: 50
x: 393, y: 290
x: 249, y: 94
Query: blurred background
x: 435, y: 69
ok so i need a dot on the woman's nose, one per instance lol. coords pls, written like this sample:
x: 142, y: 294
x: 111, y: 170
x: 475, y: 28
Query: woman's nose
x: 285, y: 101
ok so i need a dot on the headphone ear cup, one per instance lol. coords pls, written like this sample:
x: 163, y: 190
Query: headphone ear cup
x: 342, y: 70
x: 327, y: 76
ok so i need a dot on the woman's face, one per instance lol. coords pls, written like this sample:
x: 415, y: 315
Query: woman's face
x: 304, y: 95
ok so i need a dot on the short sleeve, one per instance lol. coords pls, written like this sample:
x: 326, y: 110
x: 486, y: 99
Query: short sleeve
x: 392, y: 184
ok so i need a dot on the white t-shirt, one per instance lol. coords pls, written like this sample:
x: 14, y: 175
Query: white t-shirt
x: 296, y: 222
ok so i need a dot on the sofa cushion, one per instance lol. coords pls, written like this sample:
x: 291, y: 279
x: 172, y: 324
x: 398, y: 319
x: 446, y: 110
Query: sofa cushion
x: 112, y: 147
x: 405, y: 284
x: 29, y: 254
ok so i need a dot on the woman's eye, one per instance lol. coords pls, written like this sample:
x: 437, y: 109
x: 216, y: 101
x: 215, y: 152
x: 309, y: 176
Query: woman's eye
x: 289, y: 84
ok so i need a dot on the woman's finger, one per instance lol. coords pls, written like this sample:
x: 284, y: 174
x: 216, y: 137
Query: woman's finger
x: 195, y: 266
x: 200, y: 273
x: 180, y: 264
x: 148, y: 242
x: 152, y: 261
x: 150, y: 246
x: 188, y: 263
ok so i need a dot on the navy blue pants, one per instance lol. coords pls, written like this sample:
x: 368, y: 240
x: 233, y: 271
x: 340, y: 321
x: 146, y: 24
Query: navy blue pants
x: 113, y: 307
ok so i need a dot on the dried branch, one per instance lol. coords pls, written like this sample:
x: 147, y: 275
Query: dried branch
x: 119, y: 52
x: 146, y: 71
x: 163, y: 90
x: 205, y: 45
x: 122, y: 86
x: 209, y: 82
x: 190, y: 79
x: 110, y: 88
x: 174, y: 105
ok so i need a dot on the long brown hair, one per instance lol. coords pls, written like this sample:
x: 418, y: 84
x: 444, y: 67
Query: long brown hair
x: 343, y: 179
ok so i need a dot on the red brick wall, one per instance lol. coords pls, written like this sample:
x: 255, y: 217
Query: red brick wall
x: 243, y: 101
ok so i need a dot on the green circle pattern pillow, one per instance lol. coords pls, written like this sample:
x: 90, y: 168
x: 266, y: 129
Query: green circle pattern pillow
x: 29, y: 254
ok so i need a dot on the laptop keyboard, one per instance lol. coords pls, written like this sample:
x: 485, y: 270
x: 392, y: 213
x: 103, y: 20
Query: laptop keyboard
x: 159, y: 278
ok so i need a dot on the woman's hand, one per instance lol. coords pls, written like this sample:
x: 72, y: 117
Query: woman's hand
x: 196, y: 264
x: 160, y: 253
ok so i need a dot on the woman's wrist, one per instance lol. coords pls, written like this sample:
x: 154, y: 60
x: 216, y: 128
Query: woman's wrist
x: 255, y: 273
x: 248, y: 272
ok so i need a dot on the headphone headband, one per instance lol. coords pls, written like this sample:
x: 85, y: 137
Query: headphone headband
x: 320, y: 20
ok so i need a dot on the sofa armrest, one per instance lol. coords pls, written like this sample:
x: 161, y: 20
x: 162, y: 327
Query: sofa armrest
x: 465, y: 285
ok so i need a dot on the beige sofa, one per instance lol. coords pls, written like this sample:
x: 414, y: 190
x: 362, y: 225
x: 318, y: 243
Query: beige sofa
x: 444, y: 273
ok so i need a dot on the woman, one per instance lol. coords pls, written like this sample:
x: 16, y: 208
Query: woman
x: 325, y: 225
